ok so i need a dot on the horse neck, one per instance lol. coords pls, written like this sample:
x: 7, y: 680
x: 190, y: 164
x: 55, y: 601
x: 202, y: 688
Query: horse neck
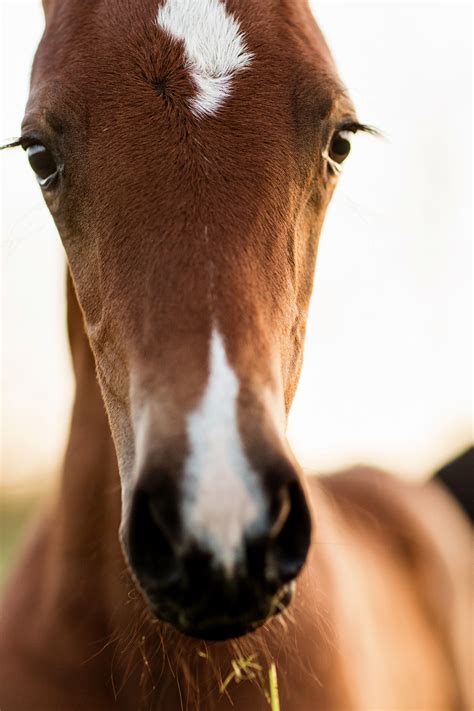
x: 86, y: 518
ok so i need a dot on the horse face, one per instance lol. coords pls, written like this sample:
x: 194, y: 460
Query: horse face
x: 187, y: 152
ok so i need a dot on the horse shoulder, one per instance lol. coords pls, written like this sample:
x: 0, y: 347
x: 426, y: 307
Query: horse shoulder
x: 406, y: 578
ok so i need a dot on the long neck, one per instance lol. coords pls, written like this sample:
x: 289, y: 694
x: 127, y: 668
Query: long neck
x: 90, y: 487
x: 90, y: 483
x: 83, y: 538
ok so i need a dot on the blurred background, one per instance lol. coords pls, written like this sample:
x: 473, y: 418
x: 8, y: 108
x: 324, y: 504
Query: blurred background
x: 387, y: 377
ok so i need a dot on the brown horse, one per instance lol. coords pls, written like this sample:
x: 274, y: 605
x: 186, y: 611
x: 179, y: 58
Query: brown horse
x: 187, y: 150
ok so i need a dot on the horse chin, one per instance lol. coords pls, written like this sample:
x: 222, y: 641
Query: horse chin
x: 222, y: 628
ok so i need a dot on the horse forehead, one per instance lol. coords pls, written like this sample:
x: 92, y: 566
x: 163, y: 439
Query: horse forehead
x: 214, y: 49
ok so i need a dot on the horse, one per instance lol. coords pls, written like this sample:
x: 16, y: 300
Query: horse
x: 188, y: 150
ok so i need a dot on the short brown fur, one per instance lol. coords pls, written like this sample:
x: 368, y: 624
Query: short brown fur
x: 382, y: 614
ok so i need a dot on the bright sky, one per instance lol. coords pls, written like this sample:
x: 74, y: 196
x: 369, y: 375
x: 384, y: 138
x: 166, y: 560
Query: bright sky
x: 387, y: 376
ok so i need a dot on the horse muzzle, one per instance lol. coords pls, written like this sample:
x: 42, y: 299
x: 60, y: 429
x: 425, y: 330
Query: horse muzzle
x: 201, y: 586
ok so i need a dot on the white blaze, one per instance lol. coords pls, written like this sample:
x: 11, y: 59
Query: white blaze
x: 222, y: 497
x: 214, y: 45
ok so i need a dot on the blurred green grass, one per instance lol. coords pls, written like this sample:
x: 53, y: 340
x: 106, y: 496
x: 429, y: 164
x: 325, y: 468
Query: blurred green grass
x: 16, y: 514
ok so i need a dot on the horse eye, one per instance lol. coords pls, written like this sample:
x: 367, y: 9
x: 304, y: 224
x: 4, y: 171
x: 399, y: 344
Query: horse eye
x: 340, y: 146
x: 43, y: 163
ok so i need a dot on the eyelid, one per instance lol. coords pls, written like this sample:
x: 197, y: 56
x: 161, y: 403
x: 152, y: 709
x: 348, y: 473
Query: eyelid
x: 356, y: 127
x: 47, y: 182
x: 346, y: 133
x: 336, y: 167
x: 28, y: 140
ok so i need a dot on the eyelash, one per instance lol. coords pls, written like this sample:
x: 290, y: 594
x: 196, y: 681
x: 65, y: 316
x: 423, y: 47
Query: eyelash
x: 20, y: 142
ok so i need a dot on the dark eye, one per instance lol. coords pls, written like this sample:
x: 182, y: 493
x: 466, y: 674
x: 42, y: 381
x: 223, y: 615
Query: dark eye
x: 340, y: 146
x: 43, y: 163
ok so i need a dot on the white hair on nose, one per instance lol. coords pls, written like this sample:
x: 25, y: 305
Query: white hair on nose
x: 222, y: 497
x: 214, y: 46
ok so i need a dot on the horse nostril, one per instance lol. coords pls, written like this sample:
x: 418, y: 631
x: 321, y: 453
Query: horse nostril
x: 276, y: 556
x: 164, y: 515
x: 290, y: 535
x: 279, y: 511
x: 151, y: 542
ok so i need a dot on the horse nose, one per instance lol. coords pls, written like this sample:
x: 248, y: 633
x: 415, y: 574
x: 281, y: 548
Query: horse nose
x: 184, y: 580
x: 272, y: 555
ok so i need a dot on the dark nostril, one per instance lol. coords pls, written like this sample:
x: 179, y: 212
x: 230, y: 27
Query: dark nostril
x: 164, y: 515
x: 152, y: 540
x: 279, y: 511
x: 290, y: 534
x: 277, y: 556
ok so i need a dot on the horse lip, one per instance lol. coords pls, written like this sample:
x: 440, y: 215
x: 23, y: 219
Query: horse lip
x: 221, y: 628
x: 218, y: 631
